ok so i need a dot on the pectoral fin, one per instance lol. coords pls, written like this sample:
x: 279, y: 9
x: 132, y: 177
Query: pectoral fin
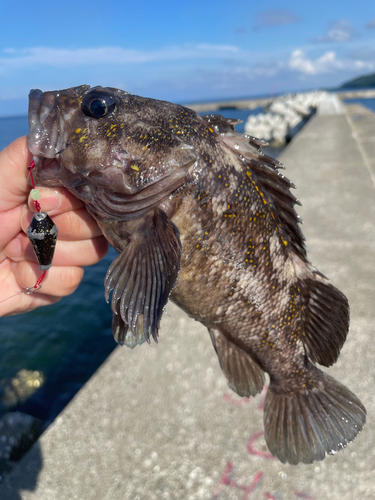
x: 142, y: 278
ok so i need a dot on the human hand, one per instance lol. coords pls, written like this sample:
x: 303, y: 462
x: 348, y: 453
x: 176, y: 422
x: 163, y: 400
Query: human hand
x: 80, y: 241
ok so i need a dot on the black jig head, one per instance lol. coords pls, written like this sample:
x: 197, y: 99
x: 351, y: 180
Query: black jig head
x: 42, y: 234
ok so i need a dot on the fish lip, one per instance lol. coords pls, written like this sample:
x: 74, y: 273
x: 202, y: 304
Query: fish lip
x: 47, y: 133
x: 45, y: 172
x: 42, y: 142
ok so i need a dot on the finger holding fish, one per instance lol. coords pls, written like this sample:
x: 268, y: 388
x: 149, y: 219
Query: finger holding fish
x: 68, y: 253
x: 74, y: 225
x: 59, y: 282
x: 17, y: 276
x: 55, y: 201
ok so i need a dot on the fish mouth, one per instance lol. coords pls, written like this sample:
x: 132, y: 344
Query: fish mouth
x: 48, y: 114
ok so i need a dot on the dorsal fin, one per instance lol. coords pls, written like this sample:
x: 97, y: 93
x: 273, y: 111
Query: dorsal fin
x: 264, y: 170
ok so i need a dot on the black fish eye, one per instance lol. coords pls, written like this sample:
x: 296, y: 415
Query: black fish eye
x: 98, y: 103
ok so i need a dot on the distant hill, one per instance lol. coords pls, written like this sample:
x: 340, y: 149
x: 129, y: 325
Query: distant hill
x: 360, y: 82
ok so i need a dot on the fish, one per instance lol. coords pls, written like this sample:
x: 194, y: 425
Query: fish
x: 201, y: 216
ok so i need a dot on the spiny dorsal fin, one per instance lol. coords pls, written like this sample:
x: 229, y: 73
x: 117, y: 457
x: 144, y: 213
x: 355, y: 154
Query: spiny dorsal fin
x: 264, y: 170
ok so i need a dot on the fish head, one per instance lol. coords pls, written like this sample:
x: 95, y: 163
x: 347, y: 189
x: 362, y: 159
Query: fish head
x: 99, y: 138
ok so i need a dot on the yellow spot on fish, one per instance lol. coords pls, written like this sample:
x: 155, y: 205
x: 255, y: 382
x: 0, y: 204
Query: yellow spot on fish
x: 134, y: 167
x: 263, y: 198
x: 210, y: 129
x: 78, y: 130
x: 284, y: 241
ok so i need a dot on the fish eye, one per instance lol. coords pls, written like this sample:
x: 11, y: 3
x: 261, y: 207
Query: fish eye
x: 98, y: 103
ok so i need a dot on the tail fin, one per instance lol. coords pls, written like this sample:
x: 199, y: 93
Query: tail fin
x: 305, y: 426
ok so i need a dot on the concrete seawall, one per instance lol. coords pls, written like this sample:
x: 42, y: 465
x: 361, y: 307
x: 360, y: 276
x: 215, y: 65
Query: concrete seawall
x: 160, y: 422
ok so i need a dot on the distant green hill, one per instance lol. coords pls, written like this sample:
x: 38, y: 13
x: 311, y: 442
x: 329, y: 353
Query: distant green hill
x: 360, y: 82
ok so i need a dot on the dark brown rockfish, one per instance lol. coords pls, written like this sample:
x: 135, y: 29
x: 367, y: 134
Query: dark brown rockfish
x: 200, y: 215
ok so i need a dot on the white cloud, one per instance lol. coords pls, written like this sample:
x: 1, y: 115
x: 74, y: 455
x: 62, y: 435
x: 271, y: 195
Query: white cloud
x: 326, y: 63
x: 183, y: 73
x: 338, y: 31
x: 298, y: 62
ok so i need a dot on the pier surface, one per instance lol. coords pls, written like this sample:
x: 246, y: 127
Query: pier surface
x: 160, y: 422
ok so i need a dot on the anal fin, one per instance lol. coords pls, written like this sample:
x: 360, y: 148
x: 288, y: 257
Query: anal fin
x: 244, y: 375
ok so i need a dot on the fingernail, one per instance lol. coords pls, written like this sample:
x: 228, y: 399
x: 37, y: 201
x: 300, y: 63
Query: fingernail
x: 49, y: 203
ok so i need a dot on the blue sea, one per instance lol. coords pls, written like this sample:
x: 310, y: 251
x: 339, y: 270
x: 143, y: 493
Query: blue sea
x: 67, y: 341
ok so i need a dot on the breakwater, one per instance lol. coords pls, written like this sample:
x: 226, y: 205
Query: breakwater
x: 253, y: 103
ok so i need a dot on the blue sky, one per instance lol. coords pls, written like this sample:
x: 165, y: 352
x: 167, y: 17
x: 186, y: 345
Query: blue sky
x: 182, y: 51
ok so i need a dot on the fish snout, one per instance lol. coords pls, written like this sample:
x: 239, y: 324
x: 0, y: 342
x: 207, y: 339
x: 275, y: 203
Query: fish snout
x: 49, y: 116
x: 43, y: 126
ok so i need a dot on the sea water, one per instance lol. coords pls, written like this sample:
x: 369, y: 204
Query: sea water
x: 67, y: 341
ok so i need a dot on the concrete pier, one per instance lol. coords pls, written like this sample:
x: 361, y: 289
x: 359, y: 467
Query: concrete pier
x: 160, y: 422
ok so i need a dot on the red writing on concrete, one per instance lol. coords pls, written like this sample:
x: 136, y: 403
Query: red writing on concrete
x: 300, y: 494
x: 251, y: 447
x: 244, y: 401
x: 226, y: 480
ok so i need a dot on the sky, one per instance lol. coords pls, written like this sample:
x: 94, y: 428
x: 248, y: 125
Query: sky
x: 182, y: 51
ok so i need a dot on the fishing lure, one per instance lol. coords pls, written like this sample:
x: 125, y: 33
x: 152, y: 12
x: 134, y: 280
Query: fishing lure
x: 42, y: 234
